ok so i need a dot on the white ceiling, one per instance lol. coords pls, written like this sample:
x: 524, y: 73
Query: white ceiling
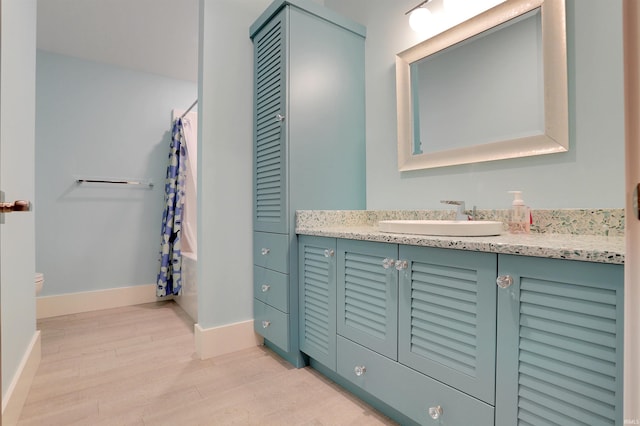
x: 156, y: 36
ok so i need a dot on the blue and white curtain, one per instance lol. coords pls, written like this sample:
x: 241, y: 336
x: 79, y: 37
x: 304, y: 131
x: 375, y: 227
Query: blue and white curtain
x: 170, y: 276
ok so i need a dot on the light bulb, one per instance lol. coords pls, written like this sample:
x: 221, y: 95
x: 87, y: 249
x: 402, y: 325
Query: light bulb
x: 419, y: 19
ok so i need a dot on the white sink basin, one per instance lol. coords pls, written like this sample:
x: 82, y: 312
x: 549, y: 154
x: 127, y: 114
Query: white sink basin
x: 454, y: 228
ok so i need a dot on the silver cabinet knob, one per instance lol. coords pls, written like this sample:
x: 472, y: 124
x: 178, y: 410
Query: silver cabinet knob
x: 402, y: 264
x: 265, y: 288
x: 359, y: 370
x: 265, y: 251
x: 266, y: 323
x: 504, y: 281
x: 388, y: 263
x: 279, y: 117
x: 329, y: 253
x: 435, y: 412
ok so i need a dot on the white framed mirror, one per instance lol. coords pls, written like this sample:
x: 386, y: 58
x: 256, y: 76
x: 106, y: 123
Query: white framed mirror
x: 491, y: 88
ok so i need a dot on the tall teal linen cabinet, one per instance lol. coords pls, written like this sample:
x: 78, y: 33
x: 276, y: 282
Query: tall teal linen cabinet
x: 309, y: 146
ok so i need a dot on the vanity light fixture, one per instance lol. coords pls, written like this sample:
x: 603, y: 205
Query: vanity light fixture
x: 419, y: 16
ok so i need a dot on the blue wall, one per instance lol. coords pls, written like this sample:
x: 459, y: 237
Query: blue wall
x: 225, y: 280
x: 590, y: 175
x: 98, y: 120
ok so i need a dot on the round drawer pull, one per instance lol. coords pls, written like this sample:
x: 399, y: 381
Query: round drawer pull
x: 435, y: 412
x: 266, y: 323
x: 329, y: 253
x: 265, y: 251
x: 265, y: 288
x: 388, y: 263
x: 504, y: 281
x: 360, y: 370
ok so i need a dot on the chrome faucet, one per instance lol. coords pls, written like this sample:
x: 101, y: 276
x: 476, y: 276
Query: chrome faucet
x: 460, y: 214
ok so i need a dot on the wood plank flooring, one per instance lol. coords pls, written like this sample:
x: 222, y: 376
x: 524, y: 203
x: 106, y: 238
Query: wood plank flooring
x: 137, y: 366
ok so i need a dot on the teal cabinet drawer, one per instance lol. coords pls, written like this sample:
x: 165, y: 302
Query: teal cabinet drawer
x: 271, y: 324
x: 408, y: 391
x: 271, y: 251
x: 271, y: 287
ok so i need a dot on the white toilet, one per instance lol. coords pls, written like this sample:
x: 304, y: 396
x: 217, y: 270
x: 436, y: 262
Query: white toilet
x: 39, y: 282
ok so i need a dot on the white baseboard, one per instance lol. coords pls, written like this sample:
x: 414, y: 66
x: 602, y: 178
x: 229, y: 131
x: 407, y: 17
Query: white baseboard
x: 73, y: 303
x: 225, y: 339
x: 18, y: 390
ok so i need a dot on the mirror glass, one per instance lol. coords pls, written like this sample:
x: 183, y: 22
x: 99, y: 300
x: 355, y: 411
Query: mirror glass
x: 493, y: 87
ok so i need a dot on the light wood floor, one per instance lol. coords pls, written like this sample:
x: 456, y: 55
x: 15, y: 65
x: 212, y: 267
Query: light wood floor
x: 137, y: 366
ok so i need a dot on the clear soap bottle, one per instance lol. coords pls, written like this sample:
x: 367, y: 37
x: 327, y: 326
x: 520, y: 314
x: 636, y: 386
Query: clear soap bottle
x: 519, y: 216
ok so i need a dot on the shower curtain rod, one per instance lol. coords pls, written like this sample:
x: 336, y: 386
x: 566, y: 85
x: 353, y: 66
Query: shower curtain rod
x: 189, y: 109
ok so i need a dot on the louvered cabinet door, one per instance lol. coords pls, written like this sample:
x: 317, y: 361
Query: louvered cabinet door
x: 317, y: 281
x: 367, y: 308
x: 560, y: 343
x: 447, y: 317
x: 270, y: 185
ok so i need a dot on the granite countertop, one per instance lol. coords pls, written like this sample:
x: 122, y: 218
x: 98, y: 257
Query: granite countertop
x: 584, y: 247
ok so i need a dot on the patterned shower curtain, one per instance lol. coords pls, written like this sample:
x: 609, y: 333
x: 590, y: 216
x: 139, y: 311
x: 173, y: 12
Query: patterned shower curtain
x: 170, y: 276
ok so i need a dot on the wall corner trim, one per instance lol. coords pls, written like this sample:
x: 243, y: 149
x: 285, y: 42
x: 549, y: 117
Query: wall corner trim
x: 216, y: 341
x: 19, y: 388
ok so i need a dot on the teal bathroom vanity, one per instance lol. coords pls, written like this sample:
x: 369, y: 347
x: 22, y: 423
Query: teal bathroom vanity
x: 465, y: 337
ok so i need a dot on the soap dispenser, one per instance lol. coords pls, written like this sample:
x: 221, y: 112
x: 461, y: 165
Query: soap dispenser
x: 519, y: 216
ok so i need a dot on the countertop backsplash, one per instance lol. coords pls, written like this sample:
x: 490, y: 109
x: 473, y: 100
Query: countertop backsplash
x: 603, y: 222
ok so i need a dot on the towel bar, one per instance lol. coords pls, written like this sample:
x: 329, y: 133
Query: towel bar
x: 115, y: 181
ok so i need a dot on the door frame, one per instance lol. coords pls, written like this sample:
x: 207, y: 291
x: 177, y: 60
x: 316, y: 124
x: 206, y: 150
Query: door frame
x: 631, y: 45
x: 1, y: 396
